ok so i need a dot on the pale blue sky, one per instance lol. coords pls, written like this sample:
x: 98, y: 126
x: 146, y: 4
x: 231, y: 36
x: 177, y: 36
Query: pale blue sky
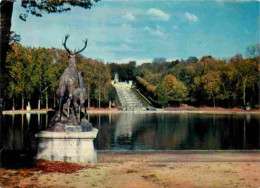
x: 122, y: 30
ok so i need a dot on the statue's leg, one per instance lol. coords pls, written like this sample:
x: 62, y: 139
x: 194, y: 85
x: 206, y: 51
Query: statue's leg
x: 75, y: 108
x: 68, y: 102
x: 80, y: 113
x: 60, y: 101
x: 85, y: 104
x: 61, y: 95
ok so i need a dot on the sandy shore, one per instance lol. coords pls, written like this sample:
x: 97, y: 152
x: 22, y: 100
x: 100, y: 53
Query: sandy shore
x: 154, y: 169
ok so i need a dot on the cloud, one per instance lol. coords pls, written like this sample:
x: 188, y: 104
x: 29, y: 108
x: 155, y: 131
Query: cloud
x: 128, y: 40
x: 129, y: 16
x: 191, y: 17
x: 158, y: 31
x: 129, y: 26
x: 125, y: 47
x: 158, y: 14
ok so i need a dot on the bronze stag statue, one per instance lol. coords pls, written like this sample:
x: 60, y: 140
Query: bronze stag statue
x: 72, y: 90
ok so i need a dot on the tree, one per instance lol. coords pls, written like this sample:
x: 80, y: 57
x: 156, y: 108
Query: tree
x: 179, y: 92
x: 176, y: 90
x: 192, y: 59
x: 112, y: 94
x: 226, y: 86
x: 124, y: 71
x: 169, y: 81
x: 253, y: 50
x: 161, y: 93
x: 21, y: 72
x: 212, y: 83
x: 237, y: 57
x: 153, y: 78
x: 102, y: 78
x: 245, y: 72
x: 48, y: 71
x: 35, y: 8
x: 159, y: 60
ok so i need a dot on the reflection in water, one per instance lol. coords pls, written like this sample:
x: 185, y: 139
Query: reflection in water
x: 17, y: 131
x: 178, y: 131
x: 145, y: 131
x: 28, y: 118
x: 39, y: 119
x: 124, y: 126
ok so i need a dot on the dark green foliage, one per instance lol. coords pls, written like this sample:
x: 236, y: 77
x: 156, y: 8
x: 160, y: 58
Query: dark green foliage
x: 159, y: 60
x: 36, y: 7
x: 124, y: 71
x: 112, y: 94
x: 162, y: 94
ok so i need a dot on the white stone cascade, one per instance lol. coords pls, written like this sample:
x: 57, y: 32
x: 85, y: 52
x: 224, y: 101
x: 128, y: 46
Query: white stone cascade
x: 127, y: 97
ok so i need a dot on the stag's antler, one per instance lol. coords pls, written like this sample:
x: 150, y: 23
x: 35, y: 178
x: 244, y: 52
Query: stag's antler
x: 64, y: 43
x: 85, y: 45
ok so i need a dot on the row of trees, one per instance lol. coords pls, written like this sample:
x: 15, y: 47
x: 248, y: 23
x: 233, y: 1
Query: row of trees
x: 208, y: 81
x: 32, y: 75
x: 125, y: 72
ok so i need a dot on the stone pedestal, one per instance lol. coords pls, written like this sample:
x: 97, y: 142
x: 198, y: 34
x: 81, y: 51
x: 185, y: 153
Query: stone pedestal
x: 67, y: 146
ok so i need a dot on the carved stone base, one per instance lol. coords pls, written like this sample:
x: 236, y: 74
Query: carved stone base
x: 67, y: 146
x: 61, y: 127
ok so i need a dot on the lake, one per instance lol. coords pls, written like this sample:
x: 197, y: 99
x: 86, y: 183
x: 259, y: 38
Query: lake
x: 128, y: 131
x: 147, y: 131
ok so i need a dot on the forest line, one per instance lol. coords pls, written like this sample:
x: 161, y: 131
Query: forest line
x: 32, y: 75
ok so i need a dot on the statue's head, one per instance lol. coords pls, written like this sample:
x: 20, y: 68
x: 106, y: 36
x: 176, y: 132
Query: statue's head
x: 71, y: 55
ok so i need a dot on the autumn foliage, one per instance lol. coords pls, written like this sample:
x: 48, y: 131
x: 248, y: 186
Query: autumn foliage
x: 32, y: 75
x: 207, y: 81
x: 55, y: 166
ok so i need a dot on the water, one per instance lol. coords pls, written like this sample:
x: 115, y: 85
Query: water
x: 177, y: 131
x: 140, y: 132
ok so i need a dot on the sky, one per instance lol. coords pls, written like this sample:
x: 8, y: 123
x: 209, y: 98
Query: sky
x: 140, y: 30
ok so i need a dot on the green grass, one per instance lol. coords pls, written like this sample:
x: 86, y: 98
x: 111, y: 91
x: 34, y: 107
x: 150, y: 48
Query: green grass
x: 140, y: 97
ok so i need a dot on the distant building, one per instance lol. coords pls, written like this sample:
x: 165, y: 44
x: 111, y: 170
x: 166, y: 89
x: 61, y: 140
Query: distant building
x: 116, y: 79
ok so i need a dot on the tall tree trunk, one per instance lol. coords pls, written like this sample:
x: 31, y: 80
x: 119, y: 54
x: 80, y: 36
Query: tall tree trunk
x: 54, y: 101
x: 88, y: 102
x: 22, y: 102
x: 99, y: 91
x: 99, y: 100
x: 244, y: 93
x: 39, y: 103
x: 47, y: 101
x: 6, y: 7
x: 13, y: 108
x: 213, y: 98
